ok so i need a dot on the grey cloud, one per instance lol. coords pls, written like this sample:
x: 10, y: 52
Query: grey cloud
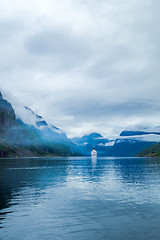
x: 85, y: 108
x: 89, y: 72
x: 60, y: 45
x: 9, y: 28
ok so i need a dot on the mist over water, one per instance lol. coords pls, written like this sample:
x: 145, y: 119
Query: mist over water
x: 79, y: 198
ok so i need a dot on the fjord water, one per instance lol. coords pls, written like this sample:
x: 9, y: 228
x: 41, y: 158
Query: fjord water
x: 80, y: 198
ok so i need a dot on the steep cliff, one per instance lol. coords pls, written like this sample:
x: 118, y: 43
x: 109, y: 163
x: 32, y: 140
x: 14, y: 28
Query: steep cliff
x: 7, y: 115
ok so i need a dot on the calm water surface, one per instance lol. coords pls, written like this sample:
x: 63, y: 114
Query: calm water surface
x: 80, y: 198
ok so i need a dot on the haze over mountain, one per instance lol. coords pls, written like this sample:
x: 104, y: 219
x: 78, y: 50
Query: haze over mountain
x: 31, y: 137
x: 129, y: 143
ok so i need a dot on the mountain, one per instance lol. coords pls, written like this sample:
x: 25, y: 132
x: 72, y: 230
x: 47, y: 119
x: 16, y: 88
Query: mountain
x: 47, y: 133
x: 93, y: 140
x: 33, y: 137
x: 129, y: 143
x: 7, y: 115
x: 152, y: 151
x: 10, y: 127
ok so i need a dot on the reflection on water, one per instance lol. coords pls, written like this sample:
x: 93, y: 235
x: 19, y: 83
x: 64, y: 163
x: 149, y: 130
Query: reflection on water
x: 76, y: 198
x: 94, y: 161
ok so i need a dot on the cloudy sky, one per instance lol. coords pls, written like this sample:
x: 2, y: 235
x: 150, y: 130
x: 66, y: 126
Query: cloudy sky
x: 84, y: 65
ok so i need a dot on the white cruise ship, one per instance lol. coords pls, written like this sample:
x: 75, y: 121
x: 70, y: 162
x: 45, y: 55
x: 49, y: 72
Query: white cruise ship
x: 94, y: 153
